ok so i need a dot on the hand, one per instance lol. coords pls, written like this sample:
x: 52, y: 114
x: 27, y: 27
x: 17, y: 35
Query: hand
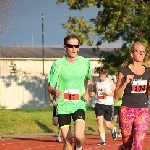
x: 92, y: 93
x: 58, y: 93
x: 106, y: 93
x: 86, y: 96
x: 129, y: 78
x: 54, y: 103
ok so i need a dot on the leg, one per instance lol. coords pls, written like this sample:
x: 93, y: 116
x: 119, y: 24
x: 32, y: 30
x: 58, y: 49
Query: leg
x: 64, y: 123
x: 67, y: 137
x: 58, y: 138
x: 100, y: 120
x: 116, y: 119
x: 108, y: 120
x: 55, y: 117
x: 79, y: 128
x: 140, y: 127
x: 126, y: 119
x: 55, y: 123
x: 99, y: 112
x: 59, y: 131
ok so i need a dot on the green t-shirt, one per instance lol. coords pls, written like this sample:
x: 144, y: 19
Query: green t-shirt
x: 70, y: 76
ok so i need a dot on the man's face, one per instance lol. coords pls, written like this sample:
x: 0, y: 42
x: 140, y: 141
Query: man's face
x: 72, y: 47
x: 102, y: 77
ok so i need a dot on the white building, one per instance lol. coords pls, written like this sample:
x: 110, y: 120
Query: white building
x: 23, y: 74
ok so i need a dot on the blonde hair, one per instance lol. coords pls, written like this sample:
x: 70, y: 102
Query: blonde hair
x: 130, y: 60
x: 134, y: 44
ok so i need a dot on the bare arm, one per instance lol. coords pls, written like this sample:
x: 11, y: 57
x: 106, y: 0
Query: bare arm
x: 121, y: 85
x: 148, y: 88
x: 112, y: 89
x: 53, y: 91
x: 51, y: 99
x: 88, y: 89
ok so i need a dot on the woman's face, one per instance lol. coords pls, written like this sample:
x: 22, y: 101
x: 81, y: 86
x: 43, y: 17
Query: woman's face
x: 139, y: 53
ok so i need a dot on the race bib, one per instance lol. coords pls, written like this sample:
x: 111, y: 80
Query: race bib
x: 101, y: 97
x: 101, y: 94
x: 139, y: 86
x: 71, y: 95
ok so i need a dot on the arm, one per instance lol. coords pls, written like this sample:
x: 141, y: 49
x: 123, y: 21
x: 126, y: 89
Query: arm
x: 93, y: 91
x: 53, y: 91
x: 88, y: 89
x: 121, y: 85
x: 51, y: 99
x: 112, y: 89
x: 148, y: 88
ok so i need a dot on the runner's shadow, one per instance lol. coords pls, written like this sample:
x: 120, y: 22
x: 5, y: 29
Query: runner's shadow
x: 35, y: 139
x: 44, y: 127
x: 40, y: 139
x: 91, y: 129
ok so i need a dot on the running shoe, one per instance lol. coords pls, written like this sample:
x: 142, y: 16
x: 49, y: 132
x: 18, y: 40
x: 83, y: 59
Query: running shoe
x: 114, y: 133
x: 119, y: 134
x: 58, y: 139
x: 75, y: 147
x: 102, y: 143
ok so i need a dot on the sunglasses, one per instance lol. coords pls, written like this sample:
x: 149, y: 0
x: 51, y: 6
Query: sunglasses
x: 71, y: 46
x: 140, y: 52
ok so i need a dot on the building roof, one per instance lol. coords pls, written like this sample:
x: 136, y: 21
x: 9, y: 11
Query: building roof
x: 37, y: 52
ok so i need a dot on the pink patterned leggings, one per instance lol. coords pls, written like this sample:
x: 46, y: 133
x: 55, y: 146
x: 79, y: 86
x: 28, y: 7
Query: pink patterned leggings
x: 134, y: 125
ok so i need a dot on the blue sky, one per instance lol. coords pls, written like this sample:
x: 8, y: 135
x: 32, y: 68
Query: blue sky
x: 26, y: 29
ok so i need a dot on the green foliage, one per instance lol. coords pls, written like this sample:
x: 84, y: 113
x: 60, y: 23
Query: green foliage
x: 114, y: 60
x: 128, y: 20
x: 115, y: 20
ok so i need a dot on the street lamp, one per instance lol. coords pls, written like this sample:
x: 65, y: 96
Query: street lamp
x: 43, y: 40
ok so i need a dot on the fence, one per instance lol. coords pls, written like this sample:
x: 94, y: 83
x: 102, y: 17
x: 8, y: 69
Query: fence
x: 24, y: 91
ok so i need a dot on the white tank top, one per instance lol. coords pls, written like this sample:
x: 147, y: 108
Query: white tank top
x: 100, y: 88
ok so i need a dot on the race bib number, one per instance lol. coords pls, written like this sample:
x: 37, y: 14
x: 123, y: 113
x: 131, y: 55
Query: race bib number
x: 71, y: 95
x: 101, y: 95
x: 139, y: 86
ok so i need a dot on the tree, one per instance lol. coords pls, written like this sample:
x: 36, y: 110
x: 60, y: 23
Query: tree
x: 127, y: 20
x: 6, y: 18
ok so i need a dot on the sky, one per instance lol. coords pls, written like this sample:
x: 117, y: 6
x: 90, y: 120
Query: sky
x: 26, y: 29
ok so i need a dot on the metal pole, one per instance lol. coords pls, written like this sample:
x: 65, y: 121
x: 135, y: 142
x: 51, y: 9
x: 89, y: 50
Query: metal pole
x: 43, y: 40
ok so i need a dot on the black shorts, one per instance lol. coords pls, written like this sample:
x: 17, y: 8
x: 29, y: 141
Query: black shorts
x: 116, y: 110
x: 104, y: 110
x: 54, y: 112
x: 65, y: 119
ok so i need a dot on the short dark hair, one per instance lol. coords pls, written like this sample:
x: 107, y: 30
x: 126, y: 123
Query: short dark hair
x: 71, y: 36
x: 103, y: 71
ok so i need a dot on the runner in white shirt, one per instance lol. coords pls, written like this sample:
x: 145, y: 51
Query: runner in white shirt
x: 104, y: 89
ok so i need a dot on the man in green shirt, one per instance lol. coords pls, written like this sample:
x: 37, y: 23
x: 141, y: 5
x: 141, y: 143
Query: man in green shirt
x: 72, y: 73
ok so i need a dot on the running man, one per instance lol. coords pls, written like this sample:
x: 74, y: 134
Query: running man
x: 72, y: 74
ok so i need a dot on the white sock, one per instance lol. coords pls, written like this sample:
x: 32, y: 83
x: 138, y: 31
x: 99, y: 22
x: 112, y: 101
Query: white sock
x: 114, y: 130
x: 77, y: 148
x: 102, y: 136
